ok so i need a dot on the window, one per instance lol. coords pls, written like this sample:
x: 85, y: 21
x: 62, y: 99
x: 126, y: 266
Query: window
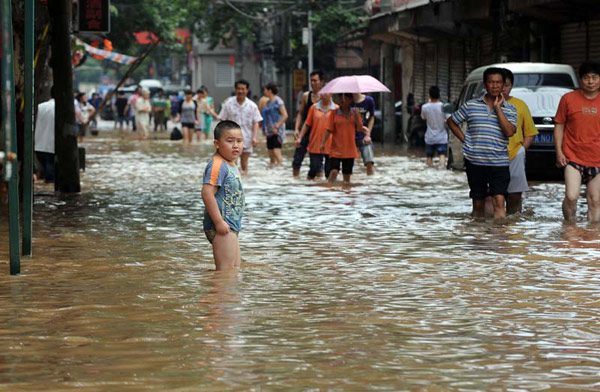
x: 224, y: 75
x: 543, y: 79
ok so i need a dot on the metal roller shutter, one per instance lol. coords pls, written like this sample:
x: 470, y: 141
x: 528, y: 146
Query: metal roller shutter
x: 419, y: 72
x: 486, y: 49
x: 470, y: 53
x: 457, y: 69
x: 443, y: 69
x: 430, y: 69
x: 573, y: 44
x: 594, y: 45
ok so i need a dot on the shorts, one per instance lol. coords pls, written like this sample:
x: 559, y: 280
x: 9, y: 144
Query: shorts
x: 487, y: 180
x: 123, y: 119
x: 347, y: 164
x: 273, y: 142
x: 587, y: 172
x: 518, y: 179
x: 160, y: 118
x: 187, y: 125
x: 211, y: 234
x: 430, y: 149
x: 366, y: 151
x: 81, y: 130
x: 317, y: 166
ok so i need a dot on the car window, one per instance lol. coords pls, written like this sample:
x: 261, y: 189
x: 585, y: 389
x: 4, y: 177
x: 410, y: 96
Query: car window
x: 478, y: 90
x: 461, y: 96
x: 543, y: 79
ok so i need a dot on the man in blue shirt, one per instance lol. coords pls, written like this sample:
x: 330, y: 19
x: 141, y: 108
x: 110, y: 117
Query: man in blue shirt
x: 490, y: 122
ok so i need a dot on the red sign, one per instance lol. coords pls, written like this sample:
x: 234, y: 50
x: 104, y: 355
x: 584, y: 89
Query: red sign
x: 94, y: 16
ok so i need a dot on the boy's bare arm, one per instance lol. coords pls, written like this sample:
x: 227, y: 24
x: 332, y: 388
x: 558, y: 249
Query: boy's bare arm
x: 208, y: 196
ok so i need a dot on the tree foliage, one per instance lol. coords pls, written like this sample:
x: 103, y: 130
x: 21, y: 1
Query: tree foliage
x: 227, y: 22
x: 224, y: 21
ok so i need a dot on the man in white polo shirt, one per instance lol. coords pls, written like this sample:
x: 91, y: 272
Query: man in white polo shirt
x: 491, y: 121
x: 245, y: 113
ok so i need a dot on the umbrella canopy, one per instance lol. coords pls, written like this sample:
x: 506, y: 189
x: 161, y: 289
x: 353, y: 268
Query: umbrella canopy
x: 354, y: 84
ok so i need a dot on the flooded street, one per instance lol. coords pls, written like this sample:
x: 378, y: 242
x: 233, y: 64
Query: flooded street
x: 387, y: 285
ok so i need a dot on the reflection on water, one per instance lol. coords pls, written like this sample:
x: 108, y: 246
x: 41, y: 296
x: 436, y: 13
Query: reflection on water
x: 387, y: 284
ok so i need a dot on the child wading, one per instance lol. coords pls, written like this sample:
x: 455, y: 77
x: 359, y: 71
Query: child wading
x: 223, y: 196
x: 343, y: 125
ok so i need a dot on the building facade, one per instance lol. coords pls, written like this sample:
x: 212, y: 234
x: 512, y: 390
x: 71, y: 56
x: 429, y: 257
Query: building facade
x: 438, y: 42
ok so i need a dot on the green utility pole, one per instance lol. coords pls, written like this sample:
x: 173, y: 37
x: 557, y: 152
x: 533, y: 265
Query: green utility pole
x: 9, y: 128
x: 28, y: 137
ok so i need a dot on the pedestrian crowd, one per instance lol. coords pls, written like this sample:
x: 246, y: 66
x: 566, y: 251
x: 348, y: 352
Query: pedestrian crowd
x: 499, y: 129
x: 496, y: 129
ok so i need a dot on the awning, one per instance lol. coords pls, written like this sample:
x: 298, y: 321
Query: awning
x: 387, y: 6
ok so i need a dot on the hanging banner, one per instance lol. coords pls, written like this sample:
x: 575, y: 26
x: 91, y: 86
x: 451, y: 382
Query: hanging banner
x: 108, y: 55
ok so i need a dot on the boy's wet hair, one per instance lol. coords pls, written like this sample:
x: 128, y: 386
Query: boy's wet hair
x: 434, y: 92
x: 225, y: 126
x: 188, y: 92
x: 494, y: 71
x: 589, y: 67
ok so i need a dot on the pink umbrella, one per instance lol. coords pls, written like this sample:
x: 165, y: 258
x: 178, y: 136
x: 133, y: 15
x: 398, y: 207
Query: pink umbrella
x: 354, y: 84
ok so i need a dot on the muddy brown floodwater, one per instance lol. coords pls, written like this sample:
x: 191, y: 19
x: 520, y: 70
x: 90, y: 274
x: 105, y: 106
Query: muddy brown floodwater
x: 388, y: 285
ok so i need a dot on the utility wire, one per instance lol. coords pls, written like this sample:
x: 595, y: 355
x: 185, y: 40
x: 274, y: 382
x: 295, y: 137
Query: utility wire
x: 261, y: 18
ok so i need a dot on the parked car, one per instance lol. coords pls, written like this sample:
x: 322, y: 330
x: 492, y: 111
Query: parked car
x: 541, y: 86
x: 377, y: 133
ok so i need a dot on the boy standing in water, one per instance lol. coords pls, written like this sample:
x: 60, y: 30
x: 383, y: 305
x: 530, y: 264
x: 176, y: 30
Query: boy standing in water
x: 343, y: 125
x: 223, y: 196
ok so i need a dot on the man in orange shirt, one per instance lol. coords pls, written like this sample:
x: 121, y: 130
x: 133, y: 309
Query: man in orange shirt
x: 318, y: 120
x: 577, y: 141
x: 343, y: 125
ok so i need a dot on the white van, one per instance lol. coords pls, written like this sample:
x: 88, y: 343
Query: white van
x: 541, y: 86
